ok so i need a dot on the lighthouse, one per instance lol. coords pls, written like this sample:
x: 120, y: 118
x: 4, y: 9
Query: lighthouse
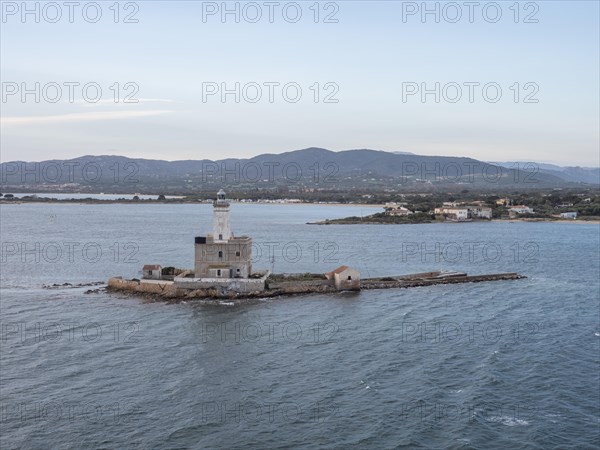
x: 221, y: 230
x: 220, y: 254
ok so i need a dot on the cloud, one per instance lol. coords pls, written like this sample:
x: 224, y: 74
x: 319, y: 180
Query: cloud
x: 132, y: 102
x: 79, y: 117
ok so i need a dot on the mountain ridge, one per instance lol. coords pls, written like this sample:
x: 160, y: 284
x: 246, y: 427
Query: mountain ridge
x: 312, y: 166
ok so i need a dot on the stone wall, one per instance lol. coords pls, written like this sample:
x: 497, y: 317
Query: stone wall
x: 300, y: 286
x: 147, y: 286
x: 242, y: 285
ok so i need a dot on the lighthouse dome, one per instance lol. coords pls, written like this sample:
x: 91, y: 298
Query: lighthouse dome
x: 220, y: 201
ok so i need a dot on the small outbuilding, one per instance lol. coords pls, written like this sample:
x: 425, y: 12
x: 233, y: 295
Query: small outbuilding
x: 152, y: 272
x: 344, y: 278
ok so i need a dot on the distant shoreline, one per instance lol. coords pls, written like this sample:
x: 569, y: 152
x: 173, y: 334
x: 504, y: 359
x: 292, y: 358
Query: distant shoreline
x: 181, y: 201
x: 597, y: 221
x: 373, y: 222
x: 174, y: 202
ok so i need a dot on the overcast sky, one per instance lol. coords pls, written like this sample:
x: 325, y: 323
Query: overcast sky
x: 501, y: 83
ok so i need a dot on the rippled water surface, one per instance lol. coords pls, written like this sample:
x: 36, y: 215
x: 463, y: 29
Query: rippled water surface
x: 508, y: 364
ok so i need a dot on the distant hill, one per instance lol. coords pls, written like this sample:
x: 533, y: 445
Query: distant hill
x: 590, y: 175
x: 310, y: 168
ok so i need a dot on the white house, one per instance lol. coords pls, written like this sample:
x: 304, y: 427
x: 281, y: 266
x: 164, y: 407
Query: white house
x: 569, y: 215
x: 453, y: 212
x: 463, y: 211
x: 397, y: 210
x: 483, y: 212
x: 521, y: 209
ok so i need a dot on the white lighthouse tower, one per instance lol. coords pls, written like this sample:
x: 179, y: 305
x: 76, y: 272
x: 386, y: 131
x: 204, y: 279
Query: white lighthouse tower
x: 221, y: 230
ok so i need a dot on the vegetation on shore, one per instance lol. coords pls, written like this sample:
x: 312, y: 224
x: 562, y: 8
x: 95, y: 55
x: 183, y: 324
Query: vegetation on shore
x: 547, y: 206
x: 382, y: 218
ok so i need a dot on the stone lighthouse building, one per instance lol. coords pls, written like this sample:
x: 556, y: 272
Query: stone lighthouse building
x: 221, y: 254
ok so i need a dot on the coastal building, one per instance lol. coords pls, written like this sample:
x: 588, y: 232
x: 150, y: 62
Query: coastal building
x: 394, y: 204
x: 221, y: 254
x: 344, y: 278
x: 152, y: 272
x: 520, y: 209
x: 480, y: 211
x: 453, y: 213
x: 503, y: 202
x: 569, y: 215
x: 393, y: 209
x: 465, y: 212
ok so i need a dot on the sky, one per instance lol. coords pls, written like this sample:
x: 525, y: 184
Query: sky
x: 495, y: 81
